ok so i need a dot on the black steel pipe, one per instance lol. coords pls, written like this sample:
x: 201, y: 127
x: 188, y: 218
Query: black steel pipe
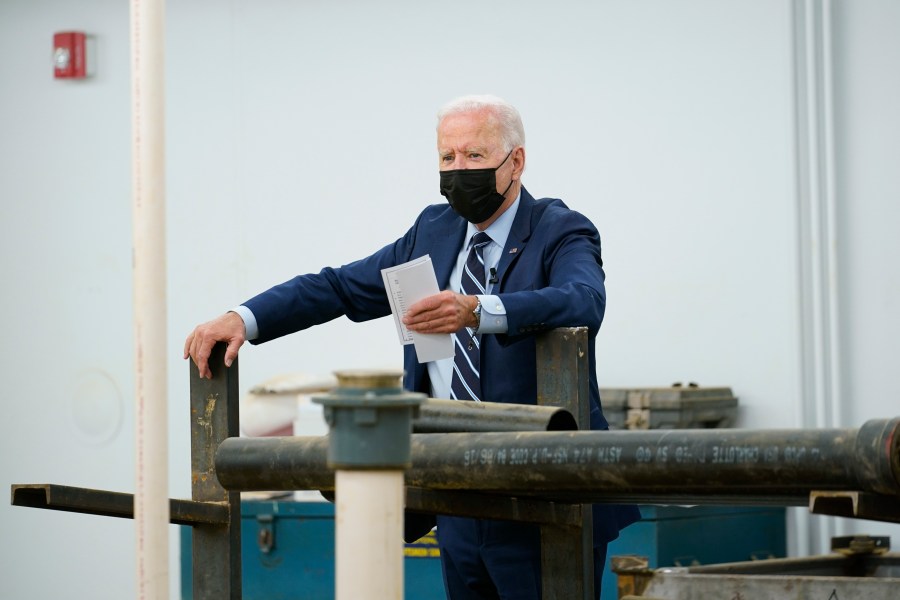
x: 448, y: 416
x: 598, y: 466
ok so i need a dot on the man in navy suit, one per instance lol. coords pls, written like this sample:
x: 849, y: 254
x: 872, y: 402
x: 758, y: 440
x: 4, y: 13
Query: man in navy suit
x: 541, y: 269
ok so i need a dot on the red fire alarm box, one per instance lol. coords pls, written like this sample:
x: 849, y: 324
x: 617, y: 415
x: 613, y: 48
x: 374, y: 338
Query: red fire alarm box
x: 69, y: 56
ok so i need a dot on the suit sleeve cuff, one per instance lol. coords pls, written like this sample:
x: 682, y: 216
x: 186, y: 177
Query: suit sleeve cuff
x: 493, y: 315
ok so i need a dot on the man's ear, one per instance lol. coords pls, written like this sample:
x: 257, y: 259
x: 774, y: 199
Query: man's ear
x: 518, y: 158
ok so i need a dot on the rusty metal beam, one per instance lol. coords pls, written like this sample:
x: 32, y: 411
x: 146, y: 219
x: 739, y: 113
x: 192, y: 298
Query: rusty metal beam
x: 563, y: 380
x: 111, y: 504
x: 216, y: 549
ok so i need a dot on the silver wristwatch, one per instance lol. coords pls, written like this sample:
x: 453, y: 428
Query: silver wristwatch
x: 477, y: 312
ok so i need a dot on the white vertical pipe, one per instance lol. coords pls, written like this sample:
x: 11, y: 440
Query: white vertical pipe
x: 823, y: 213
x: 151, y: 505
x: 829, y: 192
x: 368, y: 535
x: 818, y: 233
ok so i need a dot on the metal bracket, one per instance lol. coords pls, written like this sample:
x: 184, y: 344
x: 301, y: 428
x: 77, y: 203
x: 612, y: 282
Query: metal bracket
x: 265, y: 535
x: 859, y: 505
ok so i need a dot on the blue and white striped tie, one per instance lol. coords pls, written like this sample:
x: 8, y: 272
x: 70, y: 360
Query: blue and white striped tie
x: 466, y: 381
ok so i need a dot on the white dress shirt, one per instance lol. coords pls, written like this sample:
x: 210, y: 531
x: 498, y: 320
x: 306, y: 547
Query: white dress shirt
x: 493, y: 313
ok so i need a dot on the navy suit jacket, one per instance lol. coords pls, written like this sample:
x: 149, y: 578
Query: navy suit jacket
x: 550, y: 275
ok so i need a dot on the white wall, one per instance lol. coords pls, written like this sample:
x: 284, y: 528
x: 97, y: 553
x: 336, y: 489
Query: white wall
x: 868, y: 131
x: 867, y: 95
x: 65, y: 237
x: 301, y: 134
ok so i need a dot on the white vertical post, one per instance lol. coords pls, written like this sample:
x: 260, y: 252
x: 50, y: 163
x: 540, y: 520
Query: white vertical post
x: 151, y: 505
x: 821, y: 363
x: 368, y: 535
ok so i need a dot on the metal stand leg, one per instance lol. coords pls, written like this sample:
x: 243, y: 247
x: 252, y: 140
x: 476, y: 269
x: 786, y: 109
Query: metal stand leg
x: 567, y: 558
x: 216, y: 550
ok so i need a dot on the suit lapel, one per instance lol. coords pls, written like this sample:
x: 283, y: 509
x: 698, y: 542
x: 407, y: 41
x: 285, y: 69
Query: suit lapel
x: 518, y: 235
x: 444, y: 254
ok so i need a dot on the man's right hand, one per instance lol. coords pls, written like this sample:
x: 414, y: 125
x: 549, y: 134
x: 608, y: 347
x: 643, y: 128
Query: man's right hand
x: 228, y: 328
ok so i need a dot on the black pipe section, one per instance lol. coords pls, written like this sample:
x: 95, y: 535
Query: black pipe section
x: 447, y: 416
x: 603, y: 465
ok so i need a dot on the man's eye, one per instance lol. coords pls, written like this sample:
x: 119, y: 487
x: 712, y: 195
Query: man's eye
x: 446, y: 158
x: 474, y: 155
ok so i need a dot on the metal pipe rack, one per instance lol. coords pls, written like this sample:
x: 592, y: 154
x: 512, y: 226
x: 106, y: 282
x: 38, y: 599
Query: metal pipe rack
x: 524, y: 466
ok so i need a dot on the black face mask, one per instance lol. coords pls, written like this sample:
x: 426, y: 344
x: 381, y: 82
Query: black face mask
x: 472, y: 193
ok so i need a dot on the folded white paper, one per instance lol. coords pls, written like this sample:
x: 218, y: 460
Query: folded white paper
x: 406, y: 284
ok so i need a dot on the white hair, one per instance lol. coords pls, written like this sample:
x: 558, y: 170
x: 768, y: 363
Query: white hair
x: 512, y: 133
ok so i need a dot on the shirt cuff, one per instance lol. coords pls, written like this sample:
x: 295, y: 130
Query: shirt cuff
x: 493, y: 315
x: 251, y: 329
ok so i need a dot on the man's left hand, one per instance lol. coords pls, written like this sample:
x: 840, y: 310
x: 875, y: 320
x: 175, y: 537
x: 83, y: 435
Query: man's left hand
x: 447, y: 312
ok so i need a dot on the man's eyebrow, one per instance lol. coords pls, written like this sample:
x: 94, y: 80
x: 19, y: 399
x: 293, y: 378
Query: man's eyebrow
x: 467, y: 150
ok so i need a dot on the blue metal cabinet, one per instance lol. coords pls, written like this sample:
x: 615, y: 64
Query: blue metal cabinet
x: 287, y: 553
x: 680, y: 536
x: 288, y: 547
